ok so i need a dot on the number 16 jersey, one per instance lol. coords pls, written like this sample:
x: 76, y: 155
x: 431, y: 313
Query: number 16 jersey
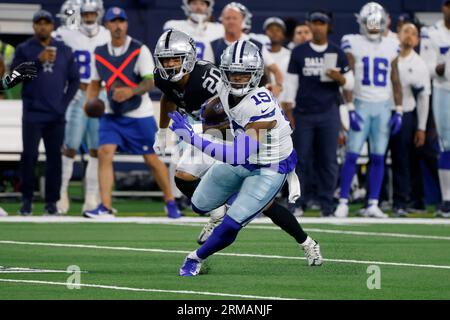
x: 373, y: 67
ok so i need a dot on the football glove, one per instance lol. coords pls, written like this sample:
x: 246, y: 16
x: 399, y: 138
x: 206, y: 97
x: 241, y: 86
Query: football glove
x: 181, y: 126
x: 24, y: 71
x: 160, y: 142
x: 395, y: 123
x: 355, y: 120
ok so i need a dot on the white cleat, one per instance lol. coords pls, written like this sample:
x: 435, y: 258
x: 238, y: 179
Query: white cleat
x: 373, y: 211
x: 312, y: 253
x: 63, y: 204
x: 3, y: 213
x: 341, y: 211
x: 90, y: 202
x: 208, y: 229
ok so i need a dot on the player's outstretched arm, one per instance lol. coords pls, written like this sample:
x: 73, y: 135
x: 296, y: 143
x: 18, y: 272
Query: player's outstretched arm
x: 235, y: 153
x: 24, y: 71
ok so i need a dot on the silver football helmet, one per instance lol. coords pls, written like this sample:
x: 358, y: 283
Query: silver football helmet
x: 372, y: 21
x: 175, y: 44
x: 198, y: 17
x: 241, y: 58
x: 69, y: 14
x: 96, y: 6
x: 247, y: 23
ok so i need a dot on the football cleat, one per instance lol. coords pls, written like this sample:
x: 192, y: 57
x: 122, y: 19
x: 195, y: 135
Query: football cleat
x: 400, y: 213
x: 341, y: 211
x: 172, y: 210
x: 373, y: 211
x: 63, y: 204
x: 26, y: 208
x: 208, y: 229
x: 51, y: 209
x: 90, y: 202
x: 312, y: 253
x: 444, y: 210
x: 190, y: 268
x: 101, y: 212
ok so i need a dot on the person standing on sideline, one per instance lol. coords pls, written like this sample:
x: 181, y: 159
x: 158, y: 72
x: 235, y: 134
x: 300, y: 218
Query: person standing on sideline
x: 416, y: 89
x: 44, y: 106
x: 126, y: 66
x: 316, y: 113
x: 435, y: 50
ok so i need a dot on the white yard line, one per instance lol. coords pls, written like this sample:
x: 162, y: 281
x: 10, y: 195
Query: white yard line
x: 164, y: 220
x: 99, y: 286
x: 154, y: 250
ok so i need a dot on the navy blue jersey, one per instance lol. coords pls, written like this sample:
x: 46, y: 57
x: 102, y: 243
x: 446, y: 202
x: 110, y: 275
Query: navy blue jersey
x: 315, y: 96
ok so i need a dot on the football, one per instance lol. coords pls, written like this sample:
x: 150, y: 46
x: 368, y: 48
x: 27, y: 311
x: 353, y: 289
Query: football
x: 212, y: 112
x: 94, y: 108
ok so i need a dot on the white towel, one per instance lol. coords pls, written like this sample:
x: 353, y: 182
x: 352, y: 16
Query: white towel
x: 294, y: 187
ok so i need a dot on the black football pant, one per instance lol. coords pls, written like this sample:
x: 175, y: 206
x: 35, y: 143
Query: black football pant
x: 53, y: 135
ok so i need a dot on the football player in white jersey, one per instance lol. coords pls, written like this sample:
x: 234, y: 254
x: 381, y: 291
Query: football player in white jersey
x: 435, y: 50
x: 255, y: 165
x: 83, y: 41
x: 374, y: 61
x: 198, y: 26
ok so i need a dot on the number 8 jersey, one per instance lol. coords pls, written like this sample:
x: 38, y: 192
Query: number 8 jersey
x: 83, y: 47
x: 372, y: 66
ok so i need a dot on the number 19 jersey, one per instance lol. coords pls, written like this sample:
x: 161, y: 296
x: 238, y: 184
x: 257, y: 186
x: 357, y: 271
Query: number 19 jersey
x: 373, y: 61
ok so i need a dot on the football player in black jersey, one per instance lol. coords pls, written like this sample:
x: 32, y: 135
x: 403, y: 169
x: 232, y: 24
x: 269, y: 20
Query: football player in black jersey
x: 187, y: 84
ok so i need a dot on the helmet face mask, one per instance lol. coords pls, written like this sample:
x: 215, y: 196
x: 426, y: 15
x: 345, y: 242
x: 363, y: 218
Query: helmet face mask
x: 91, y: 6
x: 241, y: 68
x: 69, y: 14
x: 372, y: 20
x: 175, y: 45
x: 196, y: 16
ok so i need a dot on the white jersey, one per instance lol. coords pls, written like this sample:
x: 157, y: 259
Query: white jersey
x: 413, y: 75
x: 282, y: 59
x: 435, y: 45
x: 83, y: 47
x: 144, y: 67
x: 373, y: 65
x: 202, y: 34
x: 259, y: 106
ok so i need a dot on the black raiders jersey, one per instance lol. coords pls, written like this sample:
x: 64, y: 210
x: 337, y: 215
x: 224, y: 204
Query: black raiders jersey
x: 201, y: 86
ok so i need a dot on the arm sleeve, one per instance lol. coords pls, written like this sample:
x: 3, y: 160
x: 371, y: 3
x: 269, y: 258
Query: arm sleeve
x: 346, y: 44
x: 94, y: 72
x: 73, y: 79
x: 291, y: 87
x: 423, y: 99
x: 145, y: 64
x: 268, y: 59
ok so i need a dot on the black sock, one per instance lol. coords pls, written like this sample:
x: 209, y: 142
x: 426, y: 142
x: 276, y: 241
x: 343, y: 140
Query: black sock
x: 187, y: 187
x: 286, y: 221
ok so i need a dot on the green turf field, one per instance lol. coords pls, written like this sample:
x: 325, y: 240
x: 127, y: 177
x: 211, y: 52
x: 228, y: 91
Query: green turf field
x: 141, y: 261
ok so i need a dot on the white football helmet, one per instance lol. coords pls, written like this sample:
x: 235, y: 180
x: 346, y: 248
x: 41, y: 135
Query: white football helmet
x: 96, y: 6
x: 372, y: 21
x: 173, y: 44
x: 247, y: 23
x: 198, y: 17
x: 241, y: 58
x: 69, y: 14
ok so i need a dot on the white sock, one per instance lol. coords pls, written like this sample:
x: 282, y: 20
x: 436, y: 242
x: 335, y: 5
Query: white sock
x: 193, y: 255
x: 444, y: 181
x: 92, y: 176
x: 218, y: 213
x: 373, y: 202
x: 307, y: 242
x: 343, y: 201
x: 67, y: 170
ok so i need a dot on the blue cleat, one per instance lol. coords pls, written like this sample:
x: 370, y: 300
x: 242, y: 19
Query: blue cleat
x: 100, y: 212
x: 172, y: 210
x: 190, y: 267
